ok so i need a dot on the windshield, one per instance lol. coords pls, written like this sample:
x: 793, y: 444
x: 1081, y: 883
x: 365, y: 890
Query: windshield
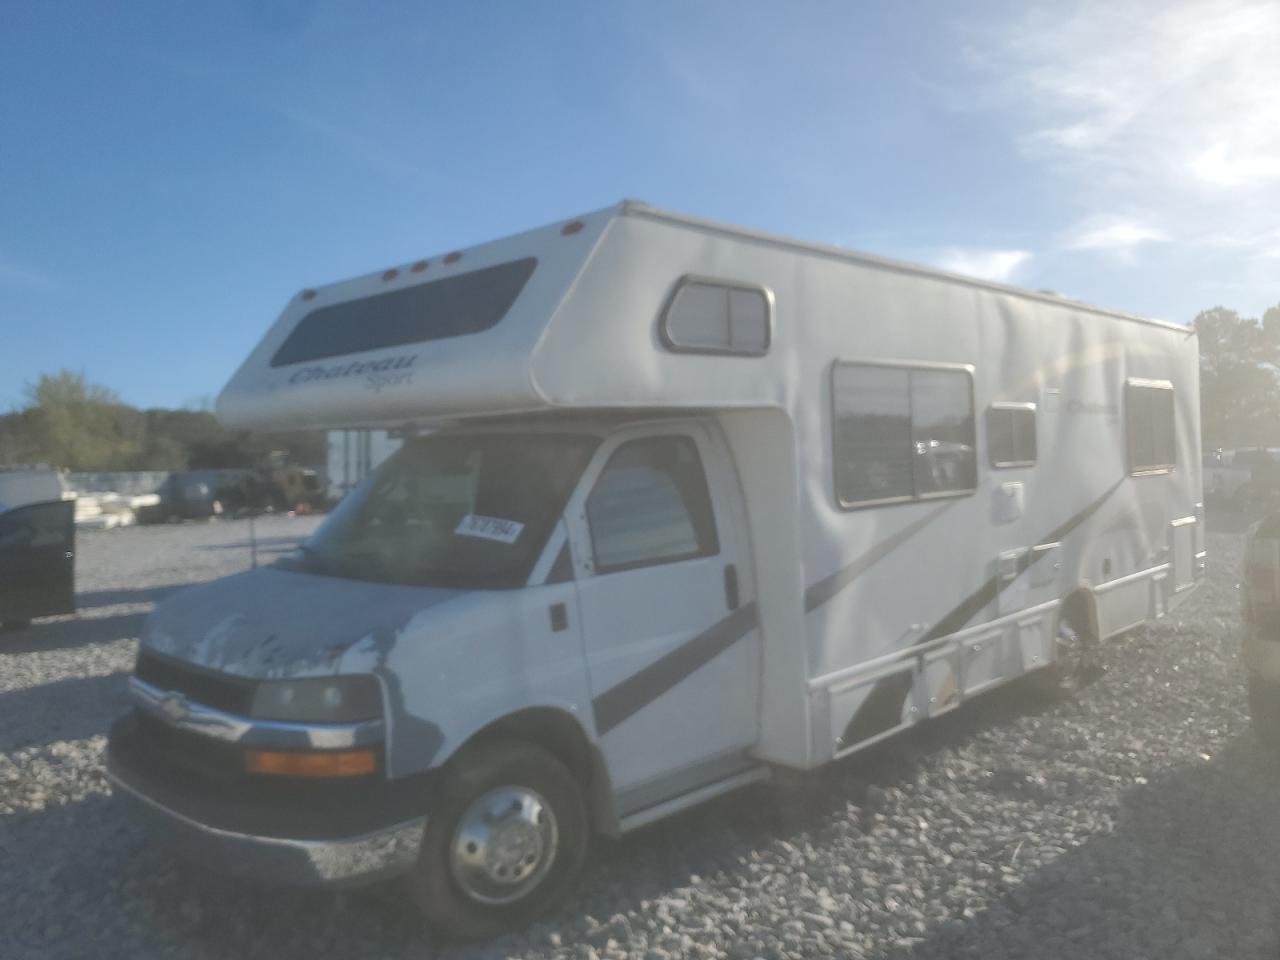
x: 470, y: 510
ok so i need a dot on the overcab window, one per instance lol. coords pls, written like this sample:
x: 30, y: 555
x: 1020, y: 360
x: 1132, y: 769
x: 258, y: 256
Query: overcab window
x: 452, y: 307
x: 902, y: 433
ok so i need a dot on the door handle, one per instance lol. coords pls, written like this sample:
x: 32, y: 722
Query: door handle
x: 559, y: 617
x: 731, y: 586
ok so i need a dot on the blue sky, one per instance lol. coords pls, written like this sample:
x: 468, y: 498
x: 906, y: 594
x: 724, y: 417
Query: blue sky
x: 172, y: 174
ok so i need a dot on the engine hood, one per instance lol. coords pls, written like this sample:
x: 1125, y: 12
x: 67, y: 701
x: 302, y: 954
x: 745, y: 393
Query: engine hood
x: 272, y: 622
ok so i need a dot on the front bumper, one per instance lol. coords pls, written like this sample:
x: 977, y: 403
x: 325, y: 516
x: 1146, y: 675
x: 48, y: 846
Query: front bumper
x: 190, y: 791
x: 338, y: 861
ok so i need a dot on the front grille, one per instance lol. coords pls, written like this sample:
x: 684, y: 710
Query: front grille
x: 181, y: 750
x: 218, y: 690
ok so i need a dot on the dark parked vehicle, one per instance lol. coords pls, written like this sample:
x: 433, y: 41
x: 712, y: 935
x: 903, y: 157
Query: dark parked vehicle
x: 37, y: 562
x: 185, y: 497
x: 1261, y: 613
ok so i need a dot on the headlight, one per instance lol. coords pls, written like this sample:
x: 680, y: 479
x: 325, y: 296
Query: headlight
x: 318, y: 700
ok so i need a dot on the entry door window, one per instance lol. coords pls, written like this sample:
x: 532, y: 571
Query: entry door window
x: 651, y: 505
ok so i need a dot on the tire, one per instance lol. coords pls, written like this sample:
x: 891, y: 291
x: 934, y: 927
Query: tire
x: 1264, y: 712
x: 538, y: 845
x: 1074, y: 663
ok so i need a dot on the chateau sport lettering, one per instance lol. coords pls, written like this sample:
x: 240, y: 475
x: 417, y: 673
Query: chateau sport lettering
x: 378, y: 374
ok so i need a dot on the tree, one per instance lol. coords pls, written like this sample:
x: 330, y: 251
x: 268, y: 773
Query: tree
x: 81, y: 424
x: 72, y: 423
x: 1239, y: 399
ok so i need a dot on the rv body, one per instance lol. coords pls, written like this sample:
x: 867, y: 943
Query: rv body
x: 805, y: 499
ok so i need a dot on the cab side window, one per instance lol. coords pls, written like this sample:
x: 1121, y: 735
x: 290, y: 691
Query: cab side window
x: 651, y: 505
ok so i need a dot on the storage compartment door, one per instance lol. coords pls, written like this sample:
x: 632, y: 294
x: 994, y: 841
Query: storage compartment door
x: 1182, y: 552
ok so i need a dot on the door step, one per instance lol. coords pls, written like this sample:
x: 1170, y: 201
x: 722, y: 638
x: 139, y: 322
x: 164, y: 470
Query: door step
x: 691, y: 799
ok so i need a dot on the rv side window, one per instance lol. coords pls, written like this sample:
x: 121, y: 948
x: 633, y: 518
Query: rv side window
x: 1149, y: 425
x: 706, y: 316
x: 1011, y: 434
x: 651, y: 505
x: 902, y: 433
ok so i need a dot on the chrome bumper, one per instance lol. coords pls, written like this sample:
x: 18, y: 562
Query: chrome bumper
x: 345, y: 861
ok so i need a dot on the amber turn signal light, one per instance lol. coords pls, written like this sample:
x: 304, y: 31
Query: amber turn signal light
x: 335, y: 763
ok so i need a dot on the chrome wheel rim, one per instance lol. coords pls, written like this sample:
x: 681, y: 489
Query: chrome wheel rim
x: 504, y: 845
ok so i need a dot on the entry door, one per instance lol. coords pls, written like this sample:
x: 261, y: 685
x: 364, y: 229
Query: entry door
x: 667, y: 608
x: 37, y: 557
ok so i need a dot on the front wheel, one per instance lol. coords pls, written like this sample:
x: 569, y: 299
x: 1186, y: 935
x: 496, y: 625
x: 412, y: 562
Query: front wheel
x: 1264, y: 711
x: 505, y: 839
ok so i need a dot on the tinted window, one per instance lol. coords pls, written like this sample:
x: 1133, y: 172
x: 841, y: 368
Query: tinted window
x: 651, y: 505
x: 706, y: 317
x: 1011, y: 436
x: 452, y: 307
x: 872, y: 433
x: 1149, y: 424
x: 942, y: 431
x: 901, y: 433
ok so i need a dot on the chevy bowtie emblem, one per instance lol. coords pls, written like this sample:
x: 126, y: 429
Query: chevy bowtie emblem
x: 174, y: 706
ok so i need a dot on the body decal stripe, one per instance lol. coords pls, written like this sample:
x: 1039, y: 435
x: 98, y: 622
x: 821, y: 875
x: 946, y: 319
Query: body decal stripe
x: 882, y: 709
x: 633, y: 694
x: 822, y: 591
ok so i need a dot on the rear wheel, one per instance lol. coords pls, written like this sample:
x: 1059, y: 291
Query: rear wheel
x: 505, y: 839
x: 1264, y: 711
x: 1074, y: 662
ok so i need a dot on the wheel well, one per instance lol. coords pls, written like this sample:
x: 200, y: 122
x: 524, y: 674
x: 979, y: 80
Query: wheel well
x: 554, y: 730
x: 561, y: 735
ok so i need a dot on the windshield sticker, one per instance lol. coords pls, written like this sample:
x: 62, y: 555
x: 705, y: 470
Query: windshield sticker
x: 489, y: 528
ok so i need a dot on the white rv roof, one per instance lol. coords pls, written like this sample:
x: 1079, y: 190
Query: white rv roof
x: 562, y: 316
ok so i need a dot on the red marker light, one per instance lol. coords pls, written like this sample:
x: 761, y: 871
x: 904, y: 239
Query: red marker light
x: 390, y: 274
x: 570, y: 228
x: 419, y: 266
x: 308, y: 294
x: 453, y: 257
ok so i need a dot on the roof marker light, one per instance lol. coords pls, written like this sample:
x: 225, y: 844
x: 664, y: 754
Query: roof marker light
x: 308, y: 294
x: 390, y: 275
x: 419, y: 266
x: 570, y: 228
x: 453, y: 257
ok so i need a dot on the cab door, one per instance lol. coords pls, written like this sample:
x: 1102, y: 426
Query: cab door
x: 667, y: 606
x: 37, y: 561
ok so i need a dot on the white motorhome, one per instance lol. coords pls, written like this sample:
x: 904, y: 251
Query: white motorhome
x: 681, y: 504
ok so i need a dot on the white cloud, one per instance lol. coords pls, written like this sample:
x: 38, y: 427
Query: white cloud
x: 1217, y: 166
x: 1121, y: 235
x: 997, y: 265
x: 1168, y: 111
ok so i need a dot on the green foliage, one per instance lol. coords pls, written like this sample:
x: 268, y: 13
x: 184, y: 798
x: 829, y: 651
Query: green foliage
x: 1239, y: 389
x: 72, y: 423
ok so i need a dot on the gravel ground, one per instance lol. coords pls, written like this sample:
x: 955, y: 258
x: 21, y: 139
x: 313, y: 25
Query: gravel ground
x: 1135, y: 822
